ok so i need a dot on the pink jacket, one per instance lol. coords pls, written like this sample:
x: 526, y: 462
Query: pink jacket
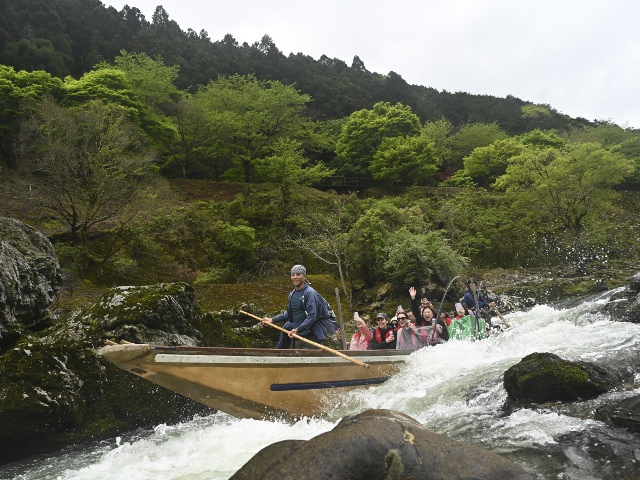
x: 361, y: 339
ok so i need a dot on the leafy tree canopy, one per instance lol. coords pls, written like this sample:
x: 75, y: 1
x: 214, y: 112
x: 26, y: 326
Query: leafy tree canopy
x: 365, y: 130
x: 405, y: 159
x: 249, y: 117
x: 567, y: 184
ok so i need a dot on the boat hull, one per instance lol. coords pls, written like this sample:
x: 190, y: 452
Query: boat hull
x: 256, y: 383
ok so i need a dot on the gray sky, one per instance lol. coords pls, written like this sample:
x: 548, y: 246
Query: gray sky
x: 579, y: 56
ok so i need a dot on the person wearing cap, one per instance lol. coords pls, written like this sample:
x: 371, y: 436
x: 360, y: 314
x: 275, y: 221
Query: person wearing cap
x: 305, y: 313
x: 384, y: 335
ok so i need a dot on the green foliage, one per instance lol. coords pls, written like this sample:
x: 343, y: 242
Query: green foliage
x: 533, y: 111
x: 568, y: 188
x: 86, y: 164
x: 248, y: 118
x: 405, y: 160
x: 150, y: 78
x: 541, y: 139
x: 364, y: 132
x: 108, y: 85
x: 485, y: 164
x: 288, y: 167
x: 417, y: 259
x: 470, y: 220
x: 186, y: 140
x: 20, y: 91
x: 470, y: 137
x: 237, y: 245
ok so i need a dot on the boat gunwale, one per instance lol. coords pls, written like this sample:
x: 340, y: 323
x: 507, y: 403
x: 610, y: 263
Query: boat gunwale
x: 233, y: 351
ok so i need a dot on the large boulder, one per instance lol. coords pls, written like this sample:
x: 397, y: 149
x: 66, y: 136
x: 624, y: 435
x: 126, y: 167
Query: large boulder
x: 55, y: 390
x: 378, y: 444
x: 545, y: 377
x: 625, y: 304
x: 30, y: 274
x: 163, y: 314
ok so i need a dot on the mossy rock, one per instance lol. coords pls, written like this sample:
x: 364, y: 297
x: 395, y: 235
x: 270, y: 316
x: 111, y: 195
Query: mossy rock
x: 165, y: 313
x: 545, y: 377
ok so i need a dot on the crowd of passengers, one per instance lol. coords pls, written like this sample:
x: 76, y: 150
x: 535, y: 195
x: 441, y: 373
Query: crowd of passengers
x: 421, y: 325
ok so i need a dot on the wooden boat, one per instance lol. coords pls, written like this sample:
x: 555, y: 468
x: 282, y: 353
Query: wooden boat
x: 253, y: 382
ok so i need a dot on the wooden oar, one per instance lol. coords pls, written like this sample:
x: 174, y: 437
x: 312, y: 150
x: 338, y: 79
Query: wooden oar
x: 504, y: 320
x: 319, y: 345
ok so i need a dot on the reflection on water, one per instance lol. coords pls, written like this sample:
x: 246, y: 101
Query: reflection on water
x: 454, y: 389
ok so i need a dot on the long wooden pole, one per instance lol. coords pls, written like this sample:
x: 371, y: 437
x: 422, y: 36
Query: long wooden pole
x: 344, y: 340
x: 318, y: 345
x: 504, y: 320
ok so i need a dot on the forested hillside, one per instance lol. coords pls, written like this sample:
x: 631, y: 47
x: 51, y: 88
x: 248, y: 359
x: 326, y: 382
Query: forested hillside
x: 69, y: 37
x: 148, y: 153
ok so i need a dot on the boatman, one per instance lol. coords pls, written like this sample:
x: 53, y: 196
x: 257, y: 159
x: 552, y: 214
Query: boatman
x: 306, y: 315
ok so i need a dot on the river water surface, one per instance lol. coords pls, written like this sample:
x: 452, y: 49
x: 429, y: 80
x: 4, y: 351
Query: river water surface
x: 453, y: 389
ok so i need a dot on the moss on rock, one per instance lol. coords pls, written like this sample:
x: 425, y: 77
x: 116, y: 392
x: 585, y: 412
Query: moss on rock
x: 545, y: 377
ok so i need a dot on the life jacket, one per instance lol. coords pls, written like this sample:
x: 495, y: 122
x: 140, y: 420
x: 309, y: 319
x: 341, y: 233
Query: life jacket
x: 378, y: 334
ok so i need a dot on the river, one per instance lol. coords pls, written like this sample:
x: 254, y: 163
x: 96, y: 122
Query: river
x: 453, y: 389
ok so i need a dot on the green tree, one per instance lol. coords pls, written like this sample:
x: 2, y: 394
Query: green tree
x: 187, y: 139
x: 417, y: 259
x: 470, y: 137
x: 485, y: 164
x: 248, y: 117
x: 364, y: 132
x: 150, y: 78
x: 19, y: 91
x: 87, y: 163
x: 108, y: 85
x: 288, y: 167
x: 563, y: 189
x: 324, y: 232
x: 408, y: 160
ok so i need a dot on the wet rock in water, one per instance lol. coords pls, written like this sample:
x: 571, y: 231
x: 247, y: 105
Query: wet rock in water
x: 378, y: 444
x: 624, y: 306
x: 545, y: 377
x: 623, y: 413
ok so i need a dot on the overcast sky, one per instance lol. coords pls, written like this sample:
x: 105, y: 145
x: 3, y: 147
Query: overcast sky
x: 579, y: 56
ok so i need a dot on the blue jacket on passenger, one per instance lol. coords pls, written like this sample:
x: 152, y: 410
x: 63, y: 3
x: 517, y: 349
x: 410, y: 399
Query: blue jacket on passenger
x: 471, y: 303
x: 317, y: 320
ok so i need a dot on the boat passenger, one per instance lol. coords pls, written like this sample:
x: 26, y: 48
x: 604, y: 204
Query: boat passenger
x: 305, y: 313
x: 469, y: 297
x: 438, y: 329
x: 464, y: 326
x: 361, y: 339
x: 418, y: 306
x: 384, y: 334
x: 410, y: 337
x: 445, y: 319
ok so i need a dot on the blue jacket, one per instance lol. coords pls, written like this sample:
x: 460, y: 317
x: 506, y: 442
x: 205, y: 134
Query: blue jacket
x: 471, y: 303
x: 317, y: 320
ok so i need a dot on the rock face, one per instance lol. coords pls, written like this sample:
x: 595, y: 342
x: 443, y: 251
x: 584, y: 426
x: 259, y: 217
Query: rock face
x: 54, y: 390
x: 30, y: 274
x: 162, y: 314
x: 545, y: 377
x: 625, y: 305
x: 378, y: 444
x: 624, y: 413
